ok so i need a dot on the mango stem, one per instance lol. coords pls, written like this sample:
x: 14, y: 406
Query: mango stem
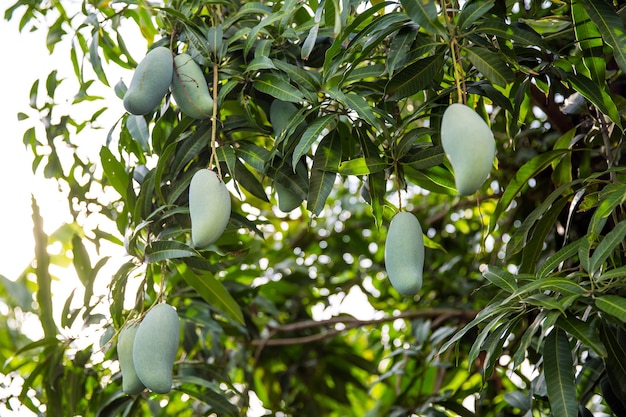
x: 214, y: 159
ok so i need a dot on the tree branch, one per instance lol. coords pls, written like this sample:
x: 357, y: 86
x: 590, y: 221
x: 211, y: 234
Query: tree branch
x: 439, y: 314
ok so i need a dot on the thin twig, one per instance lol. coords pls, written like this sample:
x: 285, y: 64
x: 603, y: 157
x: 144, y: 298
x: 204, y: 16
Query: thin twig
x: 214, y: 159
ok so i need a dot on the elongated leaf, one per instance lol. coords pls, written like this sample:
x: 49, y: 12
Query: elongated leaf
x: 610, y: 242
x: 610, y: 26
x: 501, y: 278
x: 436, y: 179
x: 490, y: 65
x: 561, y: 285
x: 114, y: 171
x: 488, y: 313
x: 527, y: 171
x: 610, y: 198
x: 590, y: 42
x: 559, y: 374
x: 613, y: 305
x: 614, y: 339
x: 266, y: 21
x: 613, y: 273
x: 94, y: 58
x: 213, y: 292
x: 323, y: 172
x: 424, y: 13
x: 519, y: 33
x: 414, y: 78
x: 583, y: 332
x: 361, y: 107
x: 278, y: 88
x: 596, y: 95
x: 361, y: 166
x: 554, y: 261
x: 44, y: 279
x: 162, y: 250
x: 249, y: 181
x: 484, y: 333
x: 314, y: 132
x: 138, y: 129
x: 426, y: 158
x: 472, y: 11
x: 546, y: 302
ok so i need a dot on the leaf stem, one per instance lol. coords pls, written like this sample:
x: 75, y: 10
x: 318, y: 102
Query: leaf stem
x: 214, y: 159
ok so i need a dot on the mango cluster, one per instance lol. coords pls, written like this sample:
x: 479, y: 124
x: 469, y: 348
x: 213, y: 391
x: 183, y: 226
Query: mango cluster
x: 157, y: 73
x: 470, y: 147
x: 147, y: 349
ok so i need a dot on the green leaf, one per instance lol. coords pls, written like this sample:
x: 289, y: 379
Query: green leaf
x: 94, y: 58
x: 490, y: 64
x: 358, y: 103
x: 606, y: 247
x: 590, y: 42
x: 260, y: 63
x: 162, y: 250
x: 414, y: 77
x: 596, y: 95
x: 114, y: 171
x: 266, y: 21
x: 613, y: 305
x: 561, y: 285
x: 527, y: 171
x: 501, y: 278
x: 559, y: 374
x: 138, y: 129
x: 361, y: 166
x: 610, y: 26
x: 613, y: 273
x: 213, y: 292
x: 424, y: 13
x: 317, y: 130
x: 583, y: 332
x: 249, y: 181
x: 562, y: 255
x: 611, y: 197
x: 472, y: 11
x: 518, y: 33
x: 323, y: 172
x: 436, y: 179
x: 44, y: 279
x: 426, y: 158
x: 278, y: 88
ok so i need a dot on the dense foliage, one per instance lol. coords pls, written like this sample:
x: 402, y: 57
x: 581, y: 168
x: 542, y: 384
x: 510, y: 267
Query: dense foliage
x: 338, y: 103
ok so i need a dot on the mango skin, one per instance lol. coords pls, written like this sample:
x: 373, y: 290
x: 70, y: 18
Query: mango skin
x: 190, y: 89
x: 209, y: 208
x: 151, y: 80
x: 468, y: 141
x: 155, y: 347
x: 404, y: 253
x: 131, y: 384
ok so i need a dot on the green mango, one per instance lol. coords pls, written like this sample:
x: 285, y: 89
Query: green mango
x: 151, y: 80
x: 209, y: 208
x: 155, y: 347
x: 131, y: 384
x: 404, y: 253
x: 190, y: 89
x: 469, y: 145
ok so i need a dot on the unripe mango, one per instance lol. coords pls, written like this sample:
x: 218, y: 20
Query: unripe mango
x: 190, y: 89
x: 209, y: 207
x: 470, y: 146
x: 155, y: 347
x: 404, y: 253
x: 131, y: 384
x: 151, y: 80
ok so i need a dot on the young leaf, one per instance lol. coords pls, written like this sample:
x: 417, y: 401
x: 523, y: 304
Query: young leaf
x: 559, y: 374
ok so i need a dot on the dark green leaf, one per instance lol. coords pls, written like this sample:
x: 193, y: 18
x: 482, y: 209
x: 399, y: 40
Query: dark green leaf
x: 278, y: 88
x: 596, y: 95
x: 249, y: 181
x: 424, y: 13
x: 583, y: 332
x: 613, y: 305
x: 562, y: 255
x: 559, y: 374
x: 317, y: 130
x: 501, y: 278
x: 472, y: 11
x: 323, y: 172
x: 114, y: 171
x: 521, y: 34
x: 414, y: 77
x: 490, y: 64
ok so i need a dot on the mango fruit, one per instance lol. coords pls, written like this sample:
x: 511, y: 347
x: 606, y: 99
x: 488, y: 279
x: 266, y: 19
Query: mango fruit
x: 404, y: 253
x: 209, y: 208
x: 190, y: 89
x: 469, y: 144
x: 151, y: 80
x: 131, y: 384
x: 155, y: 347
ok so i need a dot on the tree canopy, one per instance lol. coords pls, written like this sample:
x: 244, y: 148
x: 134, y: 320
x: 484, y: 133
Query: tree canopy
x: 326, y: 123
